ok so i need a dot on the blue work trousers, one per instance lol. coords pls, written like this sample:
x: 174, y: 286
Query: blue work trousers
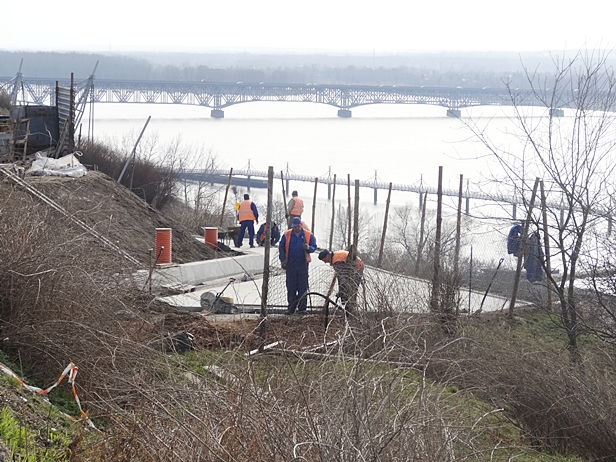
x: 297, y: 286
x: 251, y: 232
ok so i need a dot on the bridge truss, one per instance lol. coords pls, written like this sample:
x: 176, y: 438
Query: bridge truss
x: 222, y: 95
x: 258, y: 179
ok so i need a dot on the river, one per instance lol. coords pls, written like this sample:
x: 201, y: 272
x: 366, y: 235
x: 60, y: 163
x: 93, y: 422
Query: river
x: 399, y: 143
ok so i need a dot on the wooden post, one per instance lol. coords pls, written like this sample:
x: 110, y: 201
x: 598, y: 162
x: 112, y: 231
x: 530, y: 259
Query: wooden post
x: 331, y: 230
x: 422, y: 228
x: 384, y: 227
x: 71, y: 121
x: 436, y: 282
x: 546, y: 237
x: 352, y: 256
x: 284, y: 199
x: 266, y: 258
x: 518, y: 271
x: 131, y: 157
x: 456, y: 257
x: 224, y: 202
x: 349, y: 211
x: 314, y: 202
x: 356, y: 217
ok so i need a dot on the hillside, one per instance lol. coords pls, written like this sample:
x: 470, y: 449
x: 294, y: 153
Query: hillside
x: 374, y: 386
x: 119, y: 215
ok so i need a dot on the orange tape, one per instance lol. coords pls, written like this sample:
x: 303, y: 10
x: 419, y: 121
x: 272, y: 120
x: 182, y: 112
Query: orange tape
x: 71, y: 369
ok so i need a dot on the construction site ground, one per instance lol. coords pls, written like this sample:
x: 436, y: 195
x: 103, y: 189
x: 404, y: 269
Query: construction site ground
x: 131, y: 223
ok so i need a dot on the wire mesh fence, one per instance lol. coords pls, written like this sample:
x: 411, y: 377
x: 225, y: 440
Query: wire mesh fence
x: 397, y: 241
x: 403, y: 281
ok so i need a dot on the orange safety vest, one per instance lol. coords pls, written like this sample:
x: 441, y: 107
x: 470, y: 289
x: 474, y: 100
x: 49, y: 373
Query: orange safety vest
x: 287, y: 239
x: 298, y: 207
x: 262, y: 237
x: 305, y: 226
x: 341, y: 255
x: 245, y: 211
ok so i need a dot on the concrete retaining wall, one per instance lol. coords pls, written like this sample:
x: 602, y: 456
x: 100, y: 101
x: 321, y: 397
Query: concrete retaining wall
x: 202, y: 271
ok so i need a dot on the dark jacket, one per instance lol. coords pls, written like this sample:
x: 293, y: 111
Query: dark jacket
x: 534, y: 259
x: 275, y: 235
x: 514, y: 238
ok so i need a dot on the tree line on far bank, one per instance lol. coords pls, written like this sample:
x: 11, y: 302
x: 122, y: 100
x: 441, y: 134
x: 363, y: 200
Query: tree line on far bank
x: 446, y: 71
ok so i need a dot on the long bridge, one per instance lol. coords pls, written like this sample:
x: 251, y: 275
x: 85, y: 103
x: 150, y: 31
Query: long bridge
x: 258, y: 179
x: 218, y: 96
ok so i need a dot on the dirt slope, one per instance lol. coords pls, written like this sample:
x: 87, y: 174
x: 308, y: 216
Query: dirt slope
x: 120, y: 215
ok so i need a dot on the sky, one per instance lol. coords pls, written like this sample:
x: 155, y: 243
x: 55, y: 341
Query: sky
x: 339, y: 26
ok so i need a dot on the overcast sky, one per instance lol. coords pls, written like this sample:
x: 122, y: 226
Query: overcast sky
x: 316, y: 25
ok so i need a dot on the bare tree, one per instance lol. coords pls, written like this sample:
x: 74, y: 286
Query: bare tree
x: 199, y: 197
x: 368, y: 234
x: 418, y: 247
x: 572, y: 154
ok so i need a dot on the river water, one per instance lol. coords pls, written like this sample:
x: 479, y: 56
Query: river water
x: 397, y: 143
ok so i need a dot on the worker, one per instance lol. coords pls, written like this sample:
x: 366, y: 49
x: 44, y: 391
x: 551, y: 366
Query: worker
x: 305, y: 226
x: 349, y: 275
x: 247, y: 214
x: 295, y: 208
x: 274, y: 237
x: 294, y: 251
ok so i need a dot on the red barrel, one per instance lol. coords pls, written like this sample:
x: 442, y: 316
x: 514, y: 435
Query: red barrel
x: 163, y: 239
x: 211, y: 237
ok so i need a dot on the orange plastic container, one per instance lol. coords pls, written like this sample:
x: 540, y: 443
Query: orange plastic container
x: 211, y: 237
x: 163, y: 239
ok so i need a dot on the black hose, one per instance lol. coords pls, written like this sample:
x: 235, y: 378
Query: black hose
x: 329, y: 300
x: 500, y: 262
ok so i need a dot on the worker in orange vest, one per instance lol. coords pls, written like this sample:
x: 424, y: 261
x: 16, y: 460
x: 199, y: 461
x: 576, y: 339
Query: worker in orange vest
x: 275, y: 234
x: 294, y: 251
x: 295, y: 208
x: 247, y: 214
x: 349, y: 275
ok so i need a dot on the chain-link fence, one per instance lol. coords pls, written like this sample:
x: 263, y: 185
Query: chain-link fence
x: 399, y: 276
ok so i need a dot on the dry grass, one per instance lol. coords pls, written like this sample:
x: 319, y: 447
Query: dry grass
x: 525, y: 369
x: 370, y: 396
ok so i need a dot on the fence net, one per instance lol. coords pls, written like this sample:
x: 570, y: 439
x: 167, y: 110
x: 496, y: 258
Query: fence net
x: 400, y: 263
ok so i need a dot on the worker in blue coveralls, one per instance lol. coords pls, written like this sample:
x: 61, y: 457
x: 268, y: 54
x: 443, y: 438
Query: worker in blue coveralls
x: 275, y: 234
x: 294, y: 251
x: 247, y: 215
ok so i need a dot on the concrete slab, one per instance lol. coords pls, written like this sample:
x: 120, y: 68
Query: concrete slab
x: 403, y: 293
x: 200, y: 272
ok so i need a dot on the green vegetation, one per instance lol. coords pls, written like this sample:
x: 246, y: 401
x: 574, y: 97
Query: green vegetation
x: 22, y: 441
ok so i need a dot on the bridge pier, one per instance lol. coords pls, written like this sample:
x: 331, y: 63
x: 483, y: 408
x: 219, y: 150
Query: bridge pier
x: 515, y: 210
x: 344, y: 113
x: 375, y: 190
x: 454, y: 113
x: 554, y: 112
x: 217, y: 114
